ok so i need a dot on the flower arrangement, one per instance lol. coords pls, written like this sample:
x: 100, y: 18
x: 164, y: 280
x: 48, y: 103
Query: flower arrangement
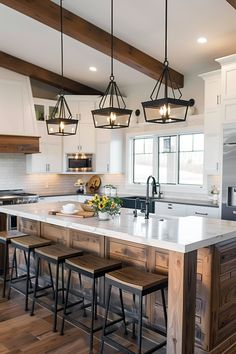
x: 105, y: 204
x: 214, y: 190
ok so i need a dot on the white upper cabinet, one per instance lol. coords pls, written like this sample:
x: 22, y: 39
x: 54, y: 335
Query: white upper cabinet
x: 84, y: 140
x: 49, y: 160
x: 16, y: 104
x: 110, y: 151
x: 228, y: 75
x: 212, y: 90
x: 212, y: 121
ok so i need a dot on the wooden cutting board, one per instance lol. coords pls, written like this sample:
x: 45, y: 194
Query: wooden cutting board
x: 79, y: 214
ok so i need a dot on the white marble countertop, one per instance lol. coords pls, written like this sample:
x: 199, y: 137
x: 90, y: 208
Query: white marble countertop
x: 182, y: 234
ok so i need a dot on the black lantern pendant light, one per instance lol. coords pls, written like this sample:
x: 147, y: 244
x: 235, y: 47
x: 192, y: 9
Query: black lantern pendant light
x: 60, y: 121
x: 112, y: 112
x: 167, y: 109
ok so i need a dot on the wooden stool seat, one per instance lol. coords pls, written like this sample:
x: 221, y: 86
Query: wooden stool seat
x: 93, y: 264
x: 29, y: 242
x: 8, y: 235
x: 138, y: 279
x: 57, y: 252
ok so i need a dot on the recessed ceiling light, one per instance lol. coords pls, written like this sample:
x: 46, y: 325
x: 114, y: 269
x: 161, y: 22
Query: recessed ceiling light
x: 92, y: 68
x: 202, y: 40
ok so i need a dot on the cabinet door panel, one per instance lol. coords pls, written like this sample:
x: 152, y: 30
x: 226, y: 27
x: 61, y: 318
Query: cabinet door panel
x: 87, y: 138
x: 196, y: 210
x: 170, y: 209
x: 211, y: 155
x: 102, y: 157
x: 212, y: 93
x: 85, y: 108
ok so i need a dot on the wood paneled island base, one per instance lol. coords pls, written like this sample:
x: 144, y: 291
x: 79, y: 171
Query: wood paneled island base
x: 207, y: 275
x: 198, y: 253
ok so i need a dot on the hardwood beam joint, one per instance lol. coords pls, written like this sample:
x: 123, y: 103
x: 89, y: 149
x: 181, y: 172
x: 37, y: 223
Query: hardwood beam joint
x: 79, y: 29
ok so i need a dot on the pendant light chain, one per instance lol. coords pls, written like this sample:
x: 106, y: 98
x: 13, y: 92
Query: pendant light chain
x: 112, y: 112
x: 61, y: 122
x: 165, y: 110
x: 166, y: 59
x: 112, y: 42
x: 62, y: 44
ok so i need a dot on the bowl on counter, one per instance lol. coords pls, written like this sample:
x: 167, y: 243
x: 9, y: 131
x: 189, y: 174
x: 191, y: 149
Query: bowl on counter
x: 86, y: 207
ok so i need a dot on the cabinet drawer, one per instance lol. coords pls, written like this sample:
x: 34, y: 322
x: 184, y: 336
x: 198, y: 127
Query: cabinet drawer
x: 87, y: 242
x: 31, y: 227
x: 163, y: 208
x: 128, y: 250
x: 209, y: 212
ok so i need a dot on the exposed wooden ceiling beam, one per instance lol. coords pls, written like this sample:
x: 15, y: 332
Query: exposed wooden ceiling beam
x: 74, y: 26
x: 232, y: 3
x: 36, y: 72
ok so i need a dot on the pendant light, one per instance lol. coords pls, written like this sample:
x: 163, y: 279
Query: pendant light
x: 112, y: 112
x: 60, y: 121
x: 167, y: 109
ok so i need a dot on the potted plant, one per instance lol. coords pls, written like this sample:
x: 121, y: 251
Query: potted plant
x: 105, y: 206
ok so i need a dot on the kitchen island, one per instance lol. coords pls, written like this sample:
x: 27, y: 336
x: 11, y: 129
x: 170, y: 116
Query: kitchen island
x: 198, y: 254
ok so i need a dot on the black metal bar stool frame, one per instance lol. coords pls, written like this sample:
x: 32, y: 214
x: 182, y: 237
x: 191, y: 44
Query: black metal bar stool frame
x: 55, y: 289
x: 28, y: 277
x: 93, y: 298
x: 4, y: 277
x: 140, y: 294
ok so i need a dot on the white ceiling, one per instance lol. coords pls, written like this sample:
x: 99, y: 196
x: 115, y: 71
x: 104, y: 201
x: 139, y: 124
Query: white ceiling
x: 138, y: 22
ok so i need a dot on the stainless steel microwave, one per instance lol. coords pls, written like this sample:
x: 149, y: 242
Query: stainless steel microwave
x: 78, y: 162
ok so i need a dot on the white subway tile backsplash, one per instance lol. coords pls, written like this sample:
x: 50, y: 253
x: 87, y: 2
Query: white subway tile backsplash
x: 13, y: 176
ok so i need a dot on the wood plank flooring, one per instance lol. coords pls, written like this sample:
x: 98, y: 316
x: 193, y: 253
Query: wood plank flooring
x: 21, y: 333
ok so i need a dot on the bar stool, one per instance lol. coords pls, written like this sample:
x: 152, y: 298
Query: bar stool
x: 54, y: 254
x: 27, y: 244
x: 138, y: 283
x: 5, y: 240
x: 94, y: 268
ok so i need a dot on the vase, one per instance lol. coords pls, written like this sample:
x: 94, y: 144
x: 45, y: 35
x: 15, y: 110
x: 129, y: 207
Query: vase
x: 103, y: 215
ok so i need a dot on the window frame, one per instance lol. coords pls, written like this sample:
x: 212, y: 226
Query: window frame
x: 156, y: 145
x: 133, y: 156
x: 178, y: 137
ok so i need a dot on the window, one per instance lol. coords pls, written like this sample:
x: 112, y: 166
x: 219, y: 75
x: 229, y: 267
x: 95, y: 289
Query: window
x: 176, y: 159
x: 191, y: 148
x: 142, y: 159
x: 167, y: 159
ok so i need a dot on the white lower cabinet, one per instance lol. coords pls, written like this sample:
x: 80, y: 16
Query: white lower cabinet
x: 170, y: 209
x: 174, y: 209
x: 209, y: 212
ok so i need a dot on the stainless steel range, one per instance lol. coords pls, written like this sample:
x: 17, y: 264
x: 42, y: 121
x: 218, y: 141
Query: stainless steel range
x: 14, y: 196
x: 17, y: 196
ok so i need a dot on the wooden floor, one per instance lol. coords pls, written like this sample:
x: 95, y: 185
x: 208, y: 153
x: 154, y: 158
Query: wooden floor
x: 21, y: 333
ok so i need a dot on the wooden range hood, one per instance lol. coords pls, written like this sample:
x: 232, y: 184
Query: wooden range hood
x: 19, y: 144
